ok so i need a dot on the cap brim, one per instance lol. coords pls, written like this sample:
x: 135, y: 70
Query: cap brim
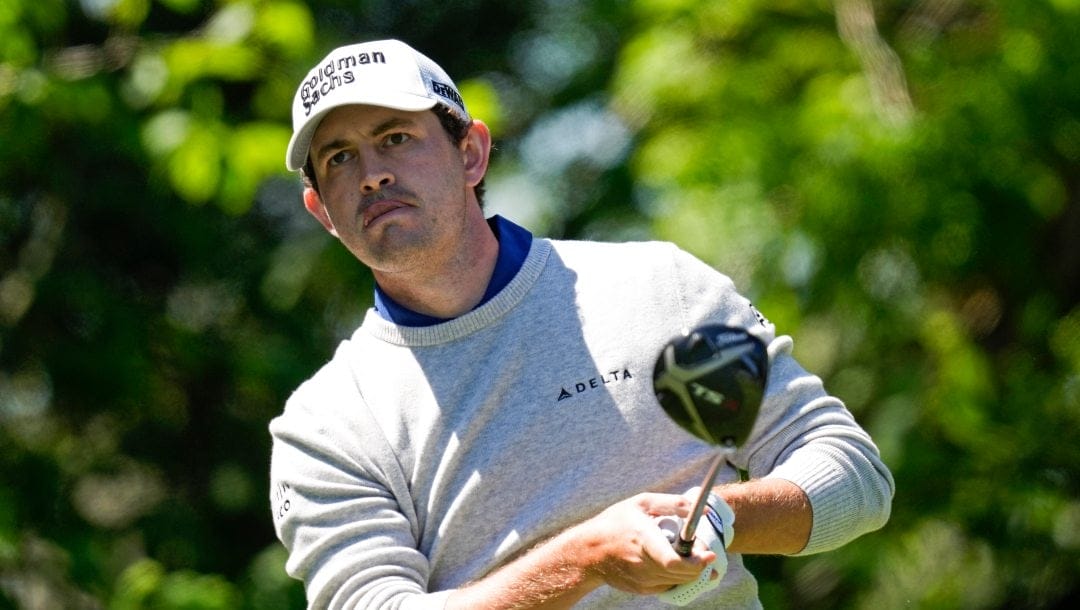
x: 296, y: 154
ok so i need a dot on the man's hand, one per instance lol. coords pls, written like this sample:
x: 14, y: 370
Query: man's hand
x: 621, y: 547
x: 624, y: 548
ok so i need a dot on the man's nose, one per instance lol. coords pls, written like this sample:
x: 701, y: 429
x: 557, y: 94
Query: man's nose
x: 375, y: 175
x: 375, y: 183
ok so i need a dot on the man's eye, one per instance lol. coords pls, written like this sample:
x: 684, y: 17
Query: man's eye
x: 397, y: 138
x: 338, y: 158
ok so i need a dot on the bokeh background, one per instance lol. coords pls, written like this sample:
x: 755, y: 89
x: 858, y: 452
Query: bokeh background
x: 895, y: 184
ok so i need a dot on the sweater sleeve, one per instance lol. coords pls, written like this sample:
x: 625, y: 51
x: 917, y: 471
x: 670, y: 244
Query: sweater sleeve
x: 344, y: 515
x: 802, y: 434
x: 809, y: 437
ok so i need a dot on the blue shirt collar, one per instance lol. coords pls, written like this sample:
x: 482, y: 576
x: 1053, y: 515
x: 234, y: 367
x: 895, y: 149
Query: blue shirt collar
x: 514, y: 244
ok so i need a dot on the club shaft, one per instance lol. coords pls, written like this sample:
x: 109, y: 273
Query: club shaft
x: 685, y: 544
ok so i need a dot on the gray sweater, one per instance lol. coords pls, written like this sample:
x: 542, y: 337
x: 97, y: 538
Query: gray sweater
x: 421, y: 458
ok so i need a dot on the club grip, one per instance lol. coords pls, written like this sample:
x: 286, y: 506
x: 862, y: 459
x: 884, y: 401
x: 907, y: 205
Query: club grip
x: 672, y: 527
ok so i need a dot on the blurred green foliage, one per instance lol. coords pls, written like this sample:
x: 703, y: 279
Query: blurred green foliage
x: 896, y: 184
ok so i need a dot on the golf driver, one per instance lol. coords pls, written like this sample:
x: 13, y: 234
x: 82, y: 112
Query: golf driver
x: 710, y: 381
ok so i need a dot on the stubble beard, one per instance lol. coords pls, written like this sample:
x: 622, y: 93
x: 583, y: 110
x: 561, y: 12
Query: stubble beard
x: 387, y: 246
x: 413, y: 246
x: 396, y: 250
x: 399, y: 248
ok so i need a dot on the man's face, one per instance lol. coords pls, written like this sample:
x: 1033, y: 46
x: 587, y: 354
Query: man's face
x: 394, y: 188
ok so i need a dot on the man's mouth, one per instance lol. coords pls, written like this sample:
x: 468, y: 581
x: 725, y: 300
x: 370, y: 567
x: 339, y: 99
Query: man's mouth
x: 378, y: 208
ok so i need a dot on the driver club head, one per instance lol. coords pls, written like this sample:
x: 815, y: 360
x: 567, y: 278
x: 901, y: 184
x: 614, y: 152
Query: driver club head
x: 711, y: 381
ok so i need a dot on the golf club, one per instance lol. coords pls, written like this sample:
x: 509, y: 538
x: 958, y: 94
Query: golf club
x: 710, y: 381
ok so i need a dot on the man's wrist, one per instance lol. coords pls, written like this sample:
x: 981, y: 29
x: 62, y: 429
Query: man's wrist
x: 722, y: 518
x: 581, y: 554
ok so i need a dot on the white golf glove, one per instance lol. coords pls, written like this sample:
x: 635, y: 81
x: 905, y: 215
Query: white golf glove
x: 716, y: 530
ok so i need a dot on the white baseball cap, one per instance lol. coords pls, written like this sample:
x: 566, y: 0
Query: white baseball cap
x: 386, y: 73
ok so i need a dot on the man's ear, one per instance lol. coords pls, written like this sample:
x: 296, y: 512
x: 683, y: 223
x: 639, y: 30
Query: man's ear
x: 476, y: 150
x: 313, y: 203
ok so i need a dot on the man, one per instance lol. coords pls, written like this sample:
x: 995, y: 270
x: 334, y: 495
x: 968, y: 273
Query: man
x: 489, y: 437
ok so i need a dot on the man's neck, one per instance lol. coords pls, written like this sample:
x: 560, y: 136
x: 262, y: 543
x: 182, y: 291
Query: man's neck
x: 449, y: 288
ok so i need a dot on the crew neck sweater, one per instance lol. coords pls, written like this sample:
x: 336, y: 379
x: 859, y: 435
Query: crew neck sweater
x: 422, y: 458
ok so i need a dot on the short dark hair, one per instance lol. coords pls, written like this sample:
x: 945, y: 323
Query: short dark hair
x: 454, y: 126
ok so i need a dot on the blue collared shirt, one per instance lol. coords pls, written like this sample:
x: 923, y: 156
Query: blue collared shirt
x: 514, y: 244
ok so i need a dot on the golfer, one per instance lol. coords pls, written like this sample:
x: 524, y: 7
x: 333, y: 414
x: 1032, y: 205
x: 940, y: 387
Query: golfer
x: 489, y: 437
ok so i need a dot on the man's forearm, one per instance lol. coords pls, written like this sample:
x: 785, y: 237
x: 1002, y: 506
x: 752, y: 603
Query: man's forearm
x: 772, y: 516
x: 548, y: 576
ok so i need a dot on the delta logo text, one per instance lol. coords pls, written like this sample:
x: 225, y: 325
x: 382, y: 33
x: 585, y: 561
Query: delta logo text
x: 333, y: 74
x: 593, y: 383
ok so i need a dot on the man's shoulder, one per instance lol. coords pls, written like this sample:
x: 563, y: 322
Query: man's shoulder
x: 654, y: 251
x: 639, y: 259
x: 329, y: 379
